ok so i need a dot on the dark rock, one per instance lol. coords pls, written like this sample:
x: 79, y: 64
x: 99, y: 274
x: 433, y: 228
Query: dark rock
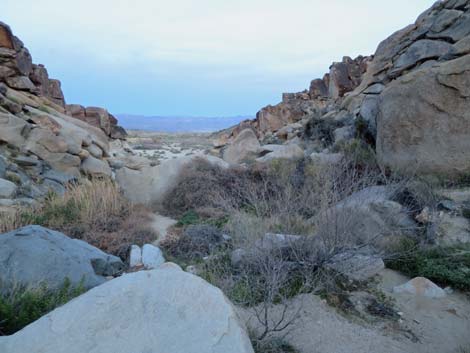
x: 33, y: 255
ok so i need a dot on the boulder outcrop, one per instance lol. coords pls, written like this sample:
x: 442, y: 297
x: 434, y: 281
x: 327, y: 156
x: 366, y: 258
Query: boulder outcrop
x: 98, y: 117
x: 410, y: 100
x: 161, y: 311
x: 40, y: 135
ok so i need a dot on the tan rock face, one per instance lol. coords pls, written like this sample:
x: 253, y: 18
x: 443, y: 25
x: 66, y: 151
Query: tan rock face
x: 5, y: 37
x: 98, y: 117
x: 423, y: 123
x: 244, y: 146
x: 343, y: 77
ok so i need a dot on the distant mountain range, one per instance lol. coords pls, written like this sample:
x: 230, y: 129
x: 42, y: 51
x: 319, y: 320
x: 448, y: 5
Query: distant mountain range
x: 178, y: 123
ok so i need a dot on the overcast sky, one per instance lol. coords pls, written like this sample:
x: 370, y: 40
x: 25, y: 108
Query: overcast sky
x: 197, y: 57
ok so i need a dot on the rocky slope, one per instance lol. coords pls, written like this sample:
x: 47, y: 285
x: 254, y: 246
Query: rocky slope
x: 45, y: 143
x: 410, y: 100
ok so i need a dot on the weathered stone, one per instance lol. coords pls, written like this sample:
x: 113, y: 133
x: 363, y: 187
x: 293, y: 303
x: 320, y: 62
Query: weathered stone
x: 135, y: 256
x: 273, y: 152
x: 34, y: 255
x: 24, y: 62
x: 7, y: 189
x: 95, y: 151
x: 43, y: 137
x: 326, y: 159
x: 5, y: 72
x: 245, y: 145
x: 423, y: 123
x: 462, y: 46
x: 6, y: 37
x: 95, y: 167
x: 75, y: 110
x: 344, y: 133
x: 356, y: 266
x: 452, y: 230
x: 12, y: 129
x: 421, y: 287
x: 165, y: 310
x: 9, y: 105
x: 152, y: 256
x: 98, y: 117
x: 376, y: 88
x: 20, y: 82
x: 445, y: 19
x: 272, y: 241
x: 369, y: 216
x: 54, y: 92
x: 318, y: 88
x: 421, y: 50
x: 340, y: 82
x: 26, y: 161
x: 59, y: 177
x: 458, y: 30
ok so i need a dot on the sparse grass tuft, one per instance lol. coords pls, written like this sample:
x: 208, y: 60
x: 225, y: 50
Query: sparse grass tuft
x: 93, y: 211
x: 448, y: 266
x: 21, y: 306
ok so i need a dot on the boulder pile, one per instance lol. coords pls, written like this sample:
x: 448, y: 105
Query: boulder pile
x: 410, y: 100
x: 44, y: 143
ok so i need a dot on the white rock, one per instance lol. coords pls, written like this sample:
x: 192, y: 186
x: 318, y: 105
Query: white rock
x: 135, y: 257
x: 152, y: 256
x: 160, y: 311
x: 420, y: 286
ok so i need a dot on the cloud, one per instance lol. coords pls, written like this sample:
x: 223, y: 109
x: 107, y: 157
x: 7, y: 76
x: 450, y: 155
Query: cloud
x: 275, y: 42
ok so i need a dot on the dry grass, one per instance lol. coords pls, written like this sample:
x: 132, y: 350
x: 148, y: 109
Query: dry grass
x: 94, y: 211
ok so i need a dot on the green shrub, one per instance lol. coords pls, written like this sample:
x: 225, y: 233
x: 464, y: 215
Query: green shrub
x: 188, y: 218
x: 448, y: 266
x: 272, y: 345
x: 321, y: 130
x: 20, y: 307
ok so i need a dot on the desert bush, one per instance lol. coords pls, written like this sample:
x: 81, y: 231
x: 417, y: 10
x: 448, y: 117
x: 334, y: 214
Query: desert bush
x: 20, y: 306
x: 358, y: 153
x: 287, y: 192
x: 445, y: 265
x: 266, y: 280
x: 322, y: 130
x: 93, y: 211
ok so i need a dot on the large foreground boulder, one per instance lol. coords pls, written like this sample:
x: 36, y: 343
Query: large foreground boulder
x: 33, y: 255
x: 161, y: 311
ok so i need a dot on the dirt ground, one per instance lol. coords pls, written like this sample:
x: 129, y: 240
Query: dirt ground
x: 427, y: 325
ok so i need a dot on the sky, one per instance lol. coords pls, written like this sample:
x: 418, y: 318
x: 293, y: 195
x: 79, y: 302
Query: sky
x: 197, y: 57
